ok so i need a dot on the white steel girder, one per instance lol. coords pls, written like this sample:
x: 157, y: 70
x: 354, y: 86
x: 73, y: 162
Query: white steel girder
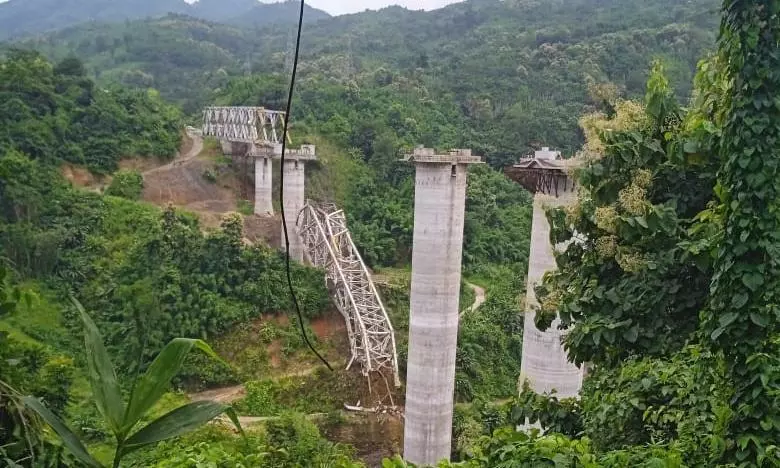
x: 328, y: 245
x: 256, y: 125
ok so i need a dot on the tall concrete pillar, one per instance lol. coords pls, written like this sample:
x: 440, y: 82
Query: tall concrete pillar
x: 264, y: 186
x: 439, y: 203
x: 545, y: 364
x: 294, y: 200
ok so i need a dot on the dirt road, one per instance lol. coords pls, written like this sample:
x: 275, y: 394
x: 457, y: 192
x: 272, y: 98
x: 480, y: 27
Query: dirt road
x: 479, y: 299
x: 194, y: 151
x: 182, y: 183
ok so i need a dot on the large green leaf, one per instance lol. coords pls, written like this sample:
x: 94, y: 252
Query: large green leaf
x: 102, y: 377
x: 157, y: 379
x: 69, y: 439
x: 178, y: 422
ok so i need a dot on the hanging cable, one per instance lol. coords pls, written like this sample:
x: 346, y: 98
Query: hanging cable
x: 281, y: 190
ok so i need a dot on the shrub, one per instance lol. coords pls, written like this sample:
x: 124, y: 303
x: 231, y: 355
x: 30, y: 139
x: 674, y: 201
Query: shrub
x: 126, y: 184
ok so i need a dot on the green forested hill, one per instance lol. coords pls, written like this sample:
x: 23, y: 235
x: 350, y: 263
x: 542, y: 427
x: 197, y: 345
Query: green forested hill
x: 26, y: 17
x: 54, y: 113
x: 516, y: 70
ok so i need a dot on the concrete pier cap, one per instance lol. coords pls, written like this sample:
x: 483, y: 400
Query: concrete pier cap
x: 437, y: 253
x: 453, y: 156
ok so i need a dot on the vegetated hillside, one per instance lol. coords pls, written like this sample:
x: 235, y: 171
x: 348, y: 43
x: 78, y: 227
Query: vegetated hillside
x: 28, y: 17
x: 518, y: 71
x: 147, y: 274
x: 54, y: 113
x: 251, y: 13
x: 144, y: 274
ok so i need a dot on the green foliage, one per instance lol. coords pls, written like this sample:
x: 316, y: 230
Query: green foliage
x: 742, y: 317
x: 516, y: 73
x: 24, y: 367
x: 509, y: 448
x: 146, y: 391
x: 473, y: 421
x: 320, y: 392
x: 629, y: 286
x: 128, y: 258
x: 683, y: 399
x: 287, y: 442
x: 210, y: 176
x: 126, y: 184
x: 245, y: 207
x: 36, y: 16
x: 50, y: 114
x: 553, y: 415
x: 497, y: 228
x: 306, y: 446
x: 200, y: 373
x: 55, y: 381
x: 490, y: 343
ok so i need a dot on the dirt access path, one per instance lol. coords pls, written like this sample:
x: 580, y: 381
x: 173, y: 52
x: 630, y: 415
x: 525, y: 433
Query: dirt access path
x: 479, y: 299
x: 192, y: 151
x: 182, y: 184
x: 480, y: 296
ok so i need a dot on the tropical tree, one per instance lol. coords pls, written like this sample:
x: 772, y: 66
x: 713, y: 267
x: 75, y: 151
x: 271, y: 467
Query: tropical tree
x: 122, y: 418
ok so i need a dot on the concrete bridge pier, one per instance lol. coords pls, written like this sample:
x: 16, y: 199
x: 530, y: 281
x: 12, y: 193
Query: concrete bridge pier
x: 294, y: 201
x: 439, y: 205
x: 545, y: 363
x: 264, y: 178
x: 227, y: 147
x: 264, y: 186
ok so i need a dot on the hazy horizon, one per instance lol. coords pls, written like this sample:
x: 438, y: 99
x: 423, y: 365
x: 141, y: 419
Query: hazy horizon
x: 342, y: 7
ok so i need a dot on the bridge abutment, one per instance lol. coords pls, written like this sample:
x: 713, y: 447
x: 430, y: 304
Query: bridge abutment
x: 439, y: 206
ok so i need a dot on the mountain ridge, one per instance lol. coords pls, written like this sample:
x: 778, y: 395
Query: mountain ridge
x: 23, y: 18
x: 519, y: 71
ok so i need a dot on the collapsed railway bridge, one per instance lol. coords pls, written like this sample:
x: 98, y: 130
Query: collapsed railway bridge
x: 319, y: 233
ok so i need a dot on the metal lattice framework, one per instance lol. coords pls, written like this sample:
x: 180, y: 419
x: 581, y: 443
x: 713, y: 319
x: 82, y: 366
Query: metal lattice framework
x: 329, y: 245
x: 244, y: 124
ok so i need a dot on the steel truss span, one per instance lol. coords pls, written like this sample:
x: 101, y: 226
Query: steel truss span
x: 328, y: 245
x: 244, y: 124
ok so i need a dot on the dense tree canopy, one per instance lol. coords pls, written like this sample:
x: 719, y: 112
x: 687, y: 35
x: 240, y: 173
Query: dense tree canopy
x: 56, y: 113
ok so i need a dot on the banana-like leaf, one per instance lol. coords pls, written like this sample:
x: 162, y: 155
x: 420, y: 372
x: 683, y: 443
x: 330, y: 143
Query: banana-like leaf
x: 69, y: 439
x: 157, y: 379
x: 102, y: 377
x: 178, y: 422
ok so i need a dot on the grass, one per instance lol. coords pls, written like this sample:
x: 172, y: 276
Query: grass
x: 320, y: 392
x: 39, y: 322
x: 245, y: 207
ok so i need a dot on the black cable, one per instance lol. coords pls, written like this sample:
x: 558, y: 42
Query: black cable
x: 281, y: 190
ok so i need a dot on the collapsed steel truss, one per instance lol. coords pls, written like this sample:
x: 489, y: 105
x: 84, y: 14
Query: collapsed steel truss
x: 244, y: 124
x: 328, y: 245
